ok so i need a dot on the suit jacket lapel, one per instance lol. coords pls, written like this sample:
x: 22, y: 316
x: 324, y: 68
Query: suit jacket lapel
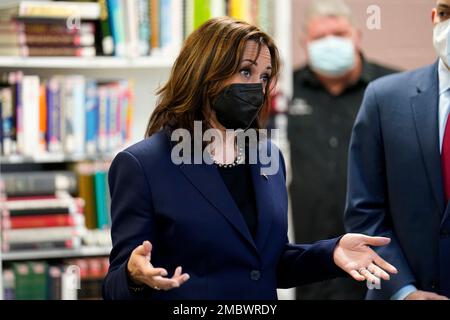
x: 264, y: 204
x: 425, y: 104
x: 206, y: 179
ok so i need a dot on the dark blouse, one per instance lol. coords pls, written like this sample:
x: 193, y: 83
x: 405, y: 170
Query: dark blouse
x: 239, y: 182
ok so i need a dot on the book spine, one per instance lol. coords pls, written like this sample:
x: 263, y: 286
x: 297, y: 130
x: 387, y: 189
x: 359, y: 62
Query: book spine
x: 18, y: 110
x: 131, y: 27
x: 50, y: 51
x: 34, y: 28
x: 155, y: 23
x: 100, y: 200
x: 30, y: 114
x: 79, y: 121
x: 68, y: 115
x: 40, y: 245
x: 88, y: 11
x: 102, y: 120
x: 35, y: 183
x: 37, y: 212
x: 42, y: 118
x: 7, y: 118
x: 91, y: 117
x: 44, y: 234
x: 53, y: 92
x: 87, y: 39
x: 165, y: 24
x: 106, y: 39
x: 188, y: 17
x: 56, y: 220
x: 143, y: 27
x: 116, y: 12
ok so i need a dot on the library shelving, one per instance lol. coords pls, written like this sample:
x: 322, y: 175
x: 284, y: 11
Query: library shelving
x: 151, y: 62
x: 85, y: 251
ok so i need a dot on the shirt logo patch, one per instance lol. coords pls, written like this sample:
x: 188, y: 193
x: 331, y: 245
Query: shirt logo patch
x: 300, y: 107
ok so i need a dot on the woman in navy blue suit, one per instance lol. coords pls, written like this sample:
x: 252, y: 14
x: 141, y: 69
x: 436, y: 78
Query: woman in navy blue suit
x: 221, y: 216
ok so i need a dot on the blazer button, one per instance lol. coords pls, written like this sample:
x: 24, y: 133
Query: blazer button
x: 255, y: 275
x: 434, y: 285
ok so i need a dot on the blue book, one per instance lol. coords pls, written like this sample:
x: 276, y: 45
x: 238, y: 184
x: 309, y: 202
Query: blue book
x: 116, y: 20
x: 91, y: 111
x: 100, y: 199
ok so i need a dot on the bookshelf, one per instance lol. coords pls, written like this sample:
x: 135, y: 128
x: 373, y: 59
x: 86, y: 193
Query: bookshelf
x: 85, y: 251
x: 148, y: 74
x: 54, y: 158
x: 152, y: 62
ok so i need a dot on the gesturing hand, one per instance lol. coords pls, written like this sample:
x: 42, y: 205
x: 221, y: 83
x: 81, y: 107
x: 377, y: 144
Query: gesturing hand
x: 142, y: 271
x: 354, y: 256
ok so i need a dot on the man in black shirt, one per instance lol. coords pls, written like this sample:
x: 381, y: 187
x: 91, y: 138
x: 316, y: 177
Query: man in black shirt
x: 327, y: 95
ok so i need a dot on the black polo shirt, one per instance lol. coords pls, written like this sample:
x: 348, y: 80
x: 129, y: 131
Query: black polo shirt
x: 319, y: 129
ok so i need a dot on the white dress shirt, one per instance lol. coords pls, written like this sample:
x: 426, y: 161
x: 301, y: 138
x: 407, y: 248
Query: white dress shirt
x: 444, y: 100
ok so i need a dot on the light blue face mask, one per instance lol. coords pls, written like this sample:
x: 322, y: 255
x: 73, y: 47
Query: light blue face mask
x: 332, y: 56
x: 441, y: 35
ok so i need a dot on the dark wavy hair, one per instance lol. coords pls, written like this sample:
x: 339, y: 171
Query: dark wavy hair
x: 210, y: 56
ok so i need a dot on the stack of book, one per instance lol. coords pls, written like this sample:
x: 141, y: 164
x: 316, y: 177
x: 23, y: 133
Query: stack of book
x: 68, y: 115
x: 46, y: 28
x: 70, y: 280
x: 56, y: 209
x: 40, y: 213
x: 124, y: 28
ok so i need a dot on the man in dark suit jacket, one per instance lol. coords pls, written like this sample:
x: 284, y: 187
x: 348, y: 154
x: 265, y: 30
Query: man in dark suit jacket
x: 398, y: 162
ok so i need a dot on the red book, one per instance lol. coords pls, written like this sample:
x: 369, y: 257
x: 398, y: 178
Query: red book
x: 59, y: 220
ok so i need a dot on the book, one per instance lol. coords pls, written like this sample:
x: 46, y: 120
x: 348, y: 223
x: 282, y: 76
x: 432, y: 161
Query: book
x: 30, y: 112
x: 106, y: 39
x: 38, y: 280
x: 38, y: 221
x: 30, y: 235
x: 117, y: 23
x: 87, y: 192
x: 39, y: 182
x: 22, y: 281
x: 51, y: 9
x: 23, y: 39
x: 54, y: 283
x: 8, y: 285
x: 41, y: 245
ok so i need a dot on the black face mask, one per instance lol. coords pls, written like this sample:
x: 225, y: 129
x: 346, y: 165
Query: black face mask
x: 238, y: 105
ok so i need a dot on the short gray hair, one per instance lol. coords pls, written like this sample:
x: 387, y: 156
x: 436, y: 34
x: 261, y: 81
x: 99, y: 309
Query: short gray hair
x: 327, y: 8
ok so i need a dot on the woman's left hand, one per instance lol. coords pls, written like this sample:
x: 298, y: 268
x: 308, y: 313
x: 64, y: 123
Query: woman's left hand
x: 354, y: 256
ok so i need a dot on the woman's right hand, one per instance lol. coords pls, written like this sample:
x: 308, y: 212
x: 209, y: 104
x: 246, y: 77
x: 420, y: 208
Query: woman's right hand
x: 142, y: 271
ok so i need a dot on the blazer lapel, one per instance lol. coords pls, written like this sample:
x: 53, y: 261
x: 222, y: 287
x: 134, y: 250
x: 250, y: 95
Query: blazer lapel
x: 264, y: 204
x: 206, y: 179
x: 425, y: 106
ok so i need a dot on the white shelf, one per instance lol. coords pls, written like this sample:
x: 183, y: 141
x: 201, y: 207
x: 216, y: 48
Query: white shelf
x: 160, y: 62
x: 55, y: 158
x: 56, y: 253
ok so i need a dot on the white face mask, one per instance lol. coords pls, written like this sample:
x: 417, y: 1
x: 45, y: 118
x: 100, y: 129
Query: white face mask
x: 332, y: 56
x: 441, y: 33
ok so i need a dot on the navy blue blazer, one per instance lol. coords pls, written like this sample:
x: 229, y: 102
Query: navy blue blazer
x: 192, y: 220
x: 395, y: 186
